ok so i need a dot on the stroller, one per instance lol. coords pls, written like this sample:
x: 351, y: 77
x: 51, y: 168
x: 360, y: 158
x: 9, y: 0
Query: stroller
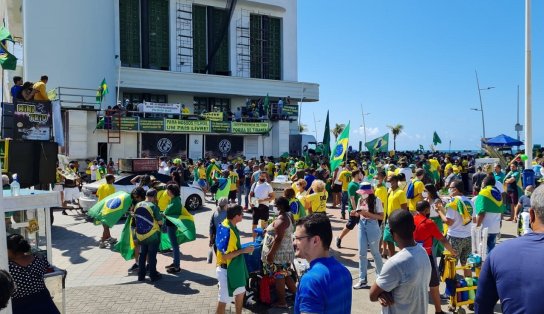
x: 259, y: 288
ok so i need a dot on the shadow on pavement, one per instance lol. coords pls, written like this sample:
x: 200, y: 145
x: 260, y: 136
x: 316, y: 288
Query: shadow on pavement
x: 71, y: 243
x: 341, y: 257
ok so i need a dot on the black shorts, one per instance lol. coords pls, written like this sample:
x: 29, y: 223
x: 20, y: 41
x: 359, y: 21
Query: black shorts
x: 336, y: 188
x: 352, y: 222
x: 435, y: 281
x: 513, y: 197
x: 232, y: 195
x: 260, y: 213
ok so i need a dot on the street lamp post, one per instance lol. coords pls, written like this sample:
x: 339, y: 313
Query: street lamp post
x: 315, y: 126
x: 481, y: 103
x: 364, y: 124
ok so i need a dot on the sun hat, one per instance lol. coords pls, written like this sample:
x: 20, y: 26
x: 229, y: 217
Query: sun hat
x: 365, y: 188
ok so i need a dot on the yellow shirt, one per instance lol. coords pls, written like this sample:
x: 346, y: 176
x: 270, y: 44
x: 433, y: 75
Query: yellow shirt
x: 88, y: 170
x: 105, y: 190
x: 233, y: 180
x: 448, y: 166
x: 282, y: 166
x: 381, y: 193
x: 163, y: 199
x: 345, y: 178
x: 395, y: 200
x: 185, y: 110
x: 418, y: 189
x: 41, y: 93
x: 202, y: 173
x: 435, y: 166
x: 317, y: 201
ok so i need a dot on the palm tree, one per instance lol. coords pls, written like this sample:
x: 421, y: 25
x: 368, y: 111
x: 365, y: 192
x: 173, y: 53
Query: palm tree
x: 302, y: 128
x: 396, y: 130
x: 338, y: 128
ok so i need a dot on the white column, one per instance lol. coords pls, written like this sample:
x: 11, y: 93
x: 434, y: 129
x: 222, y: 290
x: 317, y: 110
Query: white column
x: 528, y: 88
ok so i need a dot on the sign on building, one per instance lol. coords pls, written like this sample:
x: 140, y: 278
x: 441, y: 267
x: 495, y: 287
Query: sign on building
x: 33, y: 121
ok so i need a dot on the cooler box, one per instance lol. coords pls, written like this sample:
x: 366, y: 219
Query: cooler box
x: 253, y: 260
x: 280, y: 184
x: 528, y: 178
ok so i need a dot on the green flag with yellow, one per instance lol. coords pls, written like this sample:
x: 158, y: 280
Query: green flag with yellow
x: 340, y: 149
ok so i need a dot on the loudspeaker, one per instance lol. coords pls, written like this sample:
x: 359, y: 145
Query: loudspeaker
x: 33, y: 161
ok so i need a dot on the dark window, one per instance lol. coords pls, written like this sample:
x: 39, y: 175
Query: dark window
x: 144, y: 33
x: 209, y: 104
x: 265, y: 47
x: 129, y: 31
x: 136, y: 98
x: 207, y: 31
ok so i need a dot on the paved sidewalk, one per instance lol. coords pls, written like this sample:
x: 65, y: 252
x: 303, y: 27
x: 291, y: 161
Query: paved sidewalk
x: 98, y: 280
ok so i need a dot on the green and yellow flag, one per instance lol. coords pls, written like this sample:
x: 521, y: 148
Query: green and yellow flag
x: 102, y: 91
x: 186, y: 226
x: 126, y: 244
x: 340, y: 149
x: 223, y: 189
x: 380, y: 144
x: 489, y: 200
x: 210, y: 170
x: 464, y: 208
x: 7, y: 60
x: 436, y: 139
x: 109, y: 210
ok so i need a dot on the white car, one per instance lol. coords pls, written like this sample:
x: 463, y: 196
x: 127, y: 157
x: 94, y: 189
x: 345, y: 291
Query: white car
x: 192, y: 197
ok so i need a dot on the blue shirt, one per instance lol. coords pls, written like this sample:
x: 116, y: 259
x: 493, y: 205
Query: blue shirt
x: 309, y: 180
x: 516, y: 282
x: 15, y: 90
x: 324, y: 288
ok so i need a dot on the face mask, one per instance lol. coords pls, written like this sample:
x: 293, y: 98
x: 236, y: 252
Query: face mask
x: 364, y: 196
x: 425, y: 194
x: 527, y: 193
x: 402, y: 185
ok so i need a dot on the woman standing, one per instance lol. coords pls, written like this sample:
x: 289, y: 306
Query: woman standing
x: 430, y: 195
x: 317, y: 202
x: 296, y: 207
x: 278, y: 251
x: 27, y: 270
x: 370, y: 210
x: 173, y: 209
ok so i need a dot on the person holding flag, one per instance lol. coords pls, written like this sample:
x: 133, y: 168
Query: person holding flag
x: 488, y: 208
x: 147, y: 219
x: 173, y: 209
x: 102, y: 192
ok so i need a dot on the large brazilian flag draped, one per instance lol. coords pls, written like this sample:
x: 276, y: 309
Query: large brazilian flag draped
x: 126, y: 245
x: 109, y: 210
x: 297, y: 209
x: 186, y: 229
x: 340, y: 149
x: 226, y: 241
x: 489, y: 200
x: 464, y: 208
x: 223, y: 189
x: 209, y: 172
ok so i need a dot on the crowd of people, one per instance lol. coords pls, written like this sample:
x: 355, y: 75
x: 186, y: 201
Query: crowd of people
x: 28, y: 91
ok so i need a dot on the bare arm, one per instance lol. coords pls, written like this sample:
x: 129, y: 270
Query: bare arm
x: 480, y: 219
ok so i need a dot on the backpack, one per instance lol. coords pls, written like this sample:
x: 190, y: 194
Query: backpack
x: 410, y: 190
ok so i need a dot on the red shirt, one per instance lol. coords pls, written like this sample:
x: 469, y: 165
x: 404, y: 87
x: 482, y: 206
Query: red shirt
x: 425, y: 231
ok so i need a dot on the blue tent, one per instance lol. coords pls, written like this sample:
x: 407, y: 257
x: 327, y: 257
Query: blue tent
x: 503, y: 140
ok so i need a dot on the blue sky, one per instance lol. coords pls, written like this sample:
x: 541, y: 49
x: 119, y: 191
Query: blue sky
x: 412, y: 62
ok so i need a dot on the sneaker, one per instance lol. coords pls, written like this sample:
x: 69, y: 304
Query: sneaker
x: 173, y: 270
x: 360, y: 285
x: 338, y: 242
x: 155, y: 277
x: 170, y: 266
x: 444, y: 296
x: 64, y: 212
x: 102, y: 245
x: 112, y: 240
x: 133, y: 268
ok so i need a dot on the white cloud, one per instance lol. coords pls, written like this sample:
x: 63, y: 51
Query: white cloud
x: 371, y: 132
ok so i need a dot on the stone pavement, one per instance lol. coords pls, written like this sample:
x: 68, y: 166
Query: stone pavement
x: 98, y: 280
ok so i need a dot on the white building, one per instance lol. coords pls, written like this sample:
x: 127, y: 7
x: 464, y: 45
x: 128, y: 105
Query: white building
x: 164, y: 47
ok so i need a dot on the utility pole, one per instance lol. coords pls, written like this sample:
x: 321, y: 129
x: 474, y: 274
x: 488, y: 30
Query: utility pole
x: 528, y: 88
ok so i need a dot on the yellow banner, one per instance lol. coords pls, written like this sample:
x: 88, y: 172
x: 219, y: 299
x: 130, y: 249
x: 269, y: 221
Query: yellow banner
x: 174, y: 125
x: 213, y: 116
x: 249, y: 127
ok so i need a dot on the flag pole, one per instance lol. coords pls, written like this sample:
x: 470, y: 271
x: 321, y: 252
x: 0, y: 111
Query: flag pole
x: 528, y: 88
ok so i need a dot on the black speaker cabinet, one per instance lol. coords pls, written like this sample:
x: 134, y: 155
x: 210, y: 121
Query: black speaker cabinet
x: 33, y: 161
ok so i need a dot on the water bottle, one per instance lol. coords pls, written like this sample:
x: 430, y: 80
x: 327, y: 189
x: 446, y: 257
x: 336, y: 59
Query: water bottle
x: 15, y: 186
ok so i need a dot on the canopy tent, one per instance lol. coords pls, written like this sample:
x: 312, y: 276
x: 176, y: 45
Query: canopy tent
x: 504, y: 141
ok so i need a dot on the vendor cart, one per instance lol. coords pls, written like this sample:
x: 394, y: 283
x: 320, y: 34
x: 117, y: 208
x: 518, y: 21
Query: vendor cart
x: 28, y: 214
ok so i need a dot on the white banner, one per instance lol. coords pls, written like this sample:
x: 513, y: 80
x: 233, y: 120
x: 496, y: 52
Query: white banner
x: 153, y: 107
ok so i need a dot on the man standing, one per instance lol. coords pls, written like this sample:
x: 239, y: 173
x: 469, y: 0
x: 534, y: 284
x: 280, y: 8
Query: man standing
x: 401, y: 286
x: 488, y: 208
x: 415, y: 190
x: 477, y: 180
x: 353, y: 200
x: 263, y: 192
x: 396, y: 200
x: 513, y: 187
x: 498, y: 173
x: 104, y: 190
x: 517, y: 283
x: 345, y: 178
x: 336, y: 186
x: 41, y: 91
x: 147, y: 218
x: 234, y: 184
x: 231, y: 267
x: 17, y: 87
x: 326, y: 286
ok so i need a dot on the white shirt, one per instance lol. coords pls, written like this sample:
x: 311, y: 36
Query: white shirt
x: 407, y: 173
x: 94, y: 169
x: 262, y: 191
x: 141, y: 107
x: 492, y: 221
x: 457, y: 229
x: 378, y: 209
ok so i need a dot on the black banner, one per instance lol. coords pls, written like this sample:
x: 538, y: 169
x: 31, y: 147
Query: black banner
x: 33, y: 120
x: 171, y: 145
x: 224, y: 146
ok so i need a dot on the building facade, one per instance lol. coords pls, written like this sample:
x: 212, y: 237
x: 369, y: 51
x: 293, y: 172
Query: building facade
x: 199, y: 53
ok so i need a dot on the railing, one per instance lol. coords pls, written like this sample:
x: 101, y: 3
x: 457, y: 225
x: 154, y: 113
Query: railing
x: 83, y: 98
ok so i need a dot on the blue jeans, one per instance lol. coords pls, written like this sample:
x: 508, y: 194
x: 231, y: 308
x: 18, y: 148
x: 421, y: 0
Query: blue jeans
x: 148, y: 252
x: 369, y: 237
x: 174, y: 241
x: 491, y: 241
x: 344, y: 201
x: 246, y: 197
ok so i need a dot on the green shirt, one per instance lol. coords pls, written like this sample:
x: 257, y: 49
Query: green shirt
x: 352, y: 191
x: 499, y: 176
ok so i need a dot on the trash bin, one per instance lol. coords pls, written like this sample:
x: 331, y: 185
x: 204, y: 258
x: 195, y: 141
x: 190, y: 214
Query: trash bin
x: 528, y: 178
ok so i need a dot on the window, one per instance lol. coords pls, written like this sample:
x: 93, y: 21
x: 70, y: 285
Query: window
x: 136, y: 98
x: 209, y: 104
x: 129, y: 31
x: 265, y: 47
x: 144, y: 33
x: 207, y: 30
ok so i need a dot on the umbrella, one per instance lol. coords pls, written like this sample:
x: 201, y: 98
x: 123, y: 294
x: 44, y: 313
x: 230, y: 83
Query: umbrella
x: 503, y: 140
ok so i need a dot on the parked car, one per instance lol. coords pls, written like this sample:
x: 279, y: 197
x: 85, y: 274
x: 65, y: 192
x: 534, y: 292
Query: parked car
x: 191, y: 196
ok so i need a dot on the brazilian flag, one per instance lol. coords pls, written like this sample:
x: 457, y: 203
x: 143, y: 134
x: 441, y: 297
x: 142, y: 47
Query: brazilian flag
x: 226, y: 241
x: 223, y: 189
x: 379, y: 144
x: 102, y: 91
x: 340, y: 149
x: 372, y: 170
x: 464, y: 208
x: 209, y: 171
x: 7, y: 60
x: 109, y: 210
x: 126, y: 244
x: 186, y: 229
x: 297, y: 209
